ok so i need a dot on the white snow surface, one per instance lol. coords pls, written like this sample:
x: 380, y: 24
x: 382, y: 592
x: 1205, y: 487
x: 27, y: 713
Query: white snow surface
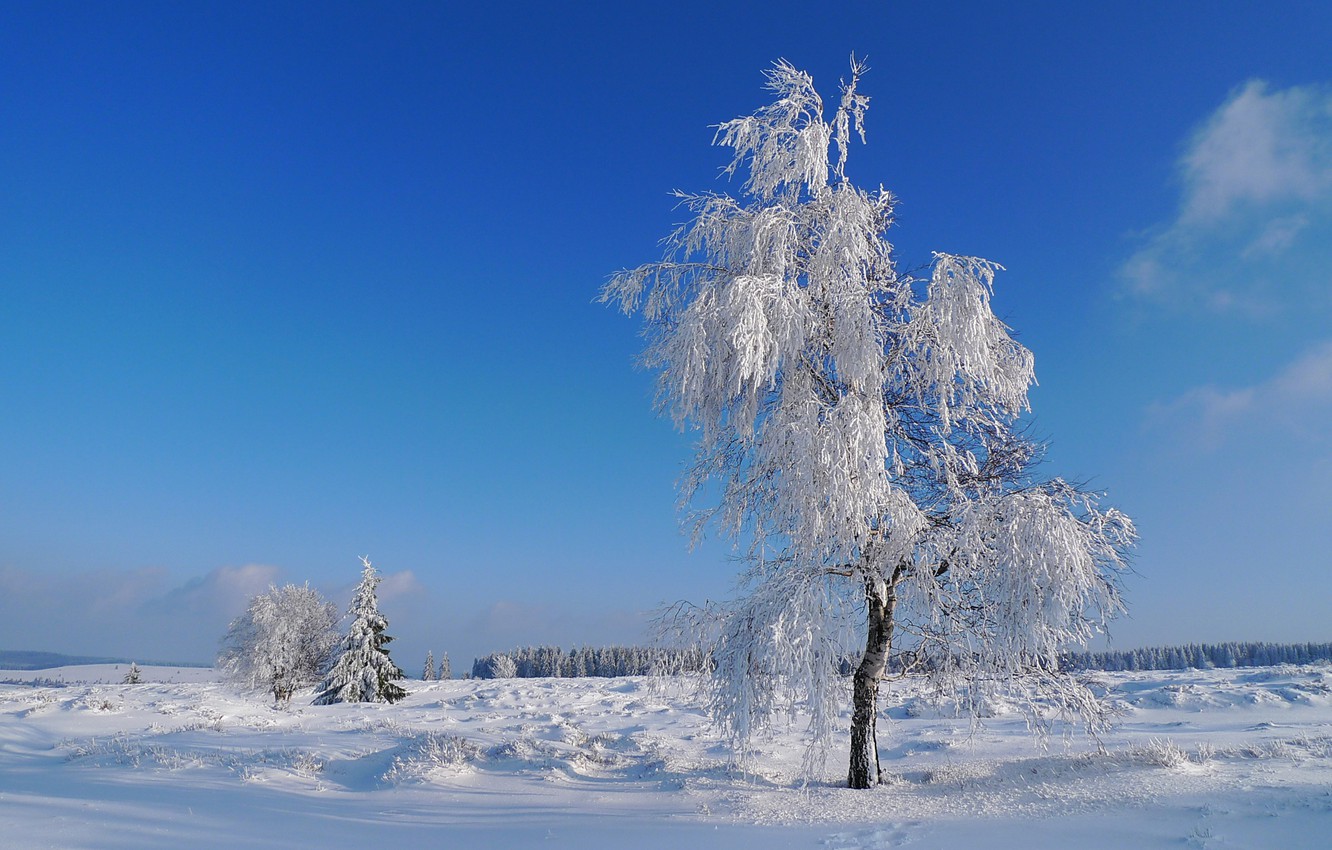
x: 1198, y: 759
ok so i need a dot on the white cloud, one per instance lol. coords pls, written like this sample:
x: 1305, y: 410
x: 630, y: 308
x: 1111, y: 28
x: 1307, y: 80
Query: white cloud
x: 227, y: 589
x: 1294, y: 402
x: 398, y: 585
x: 1277, y: 237
x: 1254, y: 227
x: 1307, y: 380
x: 1258, y: 148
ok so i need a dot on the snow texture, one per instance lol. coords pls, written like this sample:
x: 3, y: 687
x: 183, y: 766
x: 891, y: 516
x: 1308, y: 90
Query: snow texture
x: 1198, y: 759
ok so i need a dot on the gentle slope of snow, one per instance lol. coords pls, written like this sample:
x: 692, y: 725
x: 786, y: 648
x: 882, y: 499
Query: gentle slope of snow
x: 1214, y: 759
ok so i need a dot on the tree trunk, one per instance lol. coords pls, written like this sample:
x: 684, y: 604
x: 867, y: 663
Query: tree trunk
x: 879, y: 601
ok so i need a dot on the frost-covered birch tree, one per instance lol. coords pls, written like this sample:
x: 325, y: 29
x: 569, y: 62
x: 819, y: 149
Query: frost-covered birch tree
x: 363, y: 671
x: 282, y: 641
x: 860, y: 438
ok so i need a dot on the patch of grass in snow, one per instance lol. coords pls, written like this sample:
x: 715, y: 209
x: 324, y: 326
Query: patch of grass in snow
x: 1161, y: 752
x: 124, y: 750
x: 428, y: 752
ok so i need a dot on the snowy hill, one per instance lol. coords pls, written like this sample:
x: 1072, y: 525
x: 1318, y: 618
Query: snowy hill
x: 1212, y: 759
x: 11, y: 659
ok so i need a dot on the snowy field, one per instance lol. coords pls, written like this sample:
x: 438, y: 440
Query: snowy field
x: 1199, y: 759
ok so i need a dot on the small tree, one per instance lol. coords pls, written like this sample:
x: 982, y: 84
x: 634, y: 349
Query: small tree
x: 282, y: 641
x: 860, y: 429
x: 503, y: 667
x: 132, y: 677
x: 445, y: 669
x: 363, y: 671
x: 428, y: 673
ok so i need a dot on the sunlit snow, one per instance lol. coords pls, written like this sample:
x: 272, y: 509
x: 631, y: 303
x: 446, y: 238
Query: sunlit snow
x: 1210, y: 759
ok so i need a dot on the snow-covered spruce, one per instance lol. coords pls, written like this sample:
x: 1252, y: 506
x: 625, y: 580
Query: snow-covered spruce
x: 428, y: 671
x: 363, y: 671
x: 282, y: 641
x: 860, y: 429
x: 445, y: 671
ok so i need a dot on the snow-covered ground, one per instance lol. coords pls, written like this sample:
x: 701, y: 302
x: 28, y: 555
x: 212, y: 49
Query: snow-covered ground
x: 1214, y: 759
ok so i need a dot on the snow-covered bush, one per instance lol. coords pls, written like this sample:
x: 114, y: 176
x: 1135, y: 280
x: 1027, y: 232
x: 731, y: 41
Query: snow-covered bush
x: 428, y: 752
x: 503, y: 667
x: 1162, y: 752
x: 282, y: 642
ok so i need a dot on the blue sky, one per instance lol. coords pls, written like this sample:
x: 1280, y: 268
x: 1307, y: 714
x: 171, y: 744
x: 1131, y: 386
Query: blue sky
x: 282, y: 285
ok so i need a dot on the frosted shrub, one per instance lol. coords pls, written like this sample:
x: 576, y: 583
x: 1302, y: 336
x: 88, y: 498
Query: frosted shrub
x: 1162, y: 752
x: 428, y: 752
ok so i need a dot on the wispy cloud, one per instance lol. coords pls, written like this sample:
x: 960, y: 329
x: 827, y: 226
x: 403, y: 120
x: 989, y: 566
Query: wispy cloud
x: 399, y: 585
x: 1260, y: 147
x: 1294, y: 402
x: 132, y: 612
x: 227, y: 589
x: 1254, y: 226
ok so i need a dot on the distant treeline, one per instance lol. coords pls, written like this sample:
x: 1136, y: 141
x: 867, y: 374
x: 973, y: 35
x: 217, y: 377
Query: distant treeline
x: 531, y: 662
x: 1201, y: 656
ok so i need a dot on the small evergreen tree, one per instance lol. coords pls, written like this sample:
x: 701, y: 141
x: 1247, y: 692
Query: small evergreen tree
x: 363, y: 672
x: 132, y: 677
x: 428, y: 674
x: 445, y: 669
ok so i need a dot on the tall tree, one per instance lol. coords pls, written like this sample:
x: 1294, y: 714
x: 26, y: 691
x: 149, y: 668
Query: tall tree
x: 363, y: 671
x: 445, y: 668
x: 860, y: 430
x: 428, y: 673
x: 282, y: 642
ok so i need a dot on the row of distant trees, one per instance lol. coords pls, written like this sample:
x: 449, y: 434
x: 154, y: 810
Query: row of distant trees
x: 531, y: 662
x: 1202, y: 656
x: 551, y: 661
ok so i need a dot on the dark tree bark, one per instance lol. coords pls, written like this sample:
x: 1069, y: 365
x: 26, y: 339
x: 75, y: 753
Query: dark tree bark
x: 880, y: 599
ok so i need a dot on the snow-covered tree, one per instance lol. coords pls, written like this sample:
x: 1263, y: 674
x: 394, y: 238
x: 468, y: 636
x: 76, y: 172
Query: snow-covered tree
x: 428, y: 673
x: 133, y: 677
x: 860, y: 438
x: 445, y: 668
x: 503, y: 667
x: 282, y: 641
x: 363, y: 671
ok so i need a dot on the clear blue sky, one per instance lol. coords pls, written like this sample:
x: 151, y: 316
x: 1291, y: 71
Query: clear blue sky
x: 282, y: 285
